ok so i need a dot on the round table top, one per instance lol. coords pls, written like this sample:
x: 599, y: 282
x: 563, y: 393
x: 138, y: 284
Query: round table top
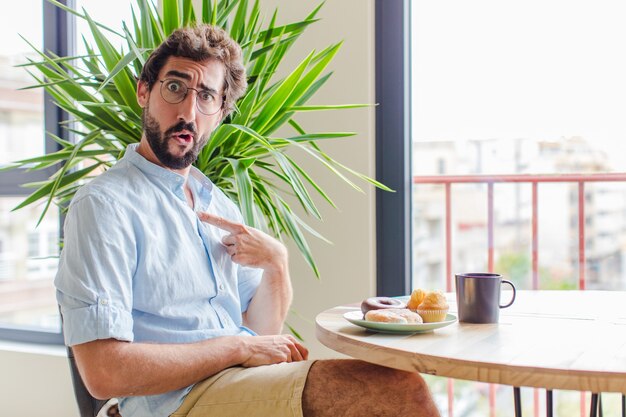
x: 572, y: 340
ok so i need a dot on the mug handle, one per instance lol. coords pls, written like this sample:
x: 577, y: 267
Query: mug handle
x: 504, y: 281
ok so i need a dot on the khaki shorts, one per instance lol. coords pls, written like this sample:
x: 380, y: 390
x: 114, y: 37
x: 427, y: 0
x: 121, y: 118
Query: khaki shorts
x: 271, y: 390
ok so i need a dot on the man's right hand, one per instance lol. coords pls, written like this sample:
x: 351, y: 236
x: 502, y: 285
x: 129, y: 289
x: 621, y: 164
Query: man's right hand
x: 112, y: 368
x: 267, y: 350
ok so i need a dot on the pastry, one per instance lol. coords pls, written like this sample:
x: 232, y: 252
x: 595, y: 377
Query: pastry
x: 433, y: 307
x: 417, y: 296
x: 377, y: 303
x: 393, y: 315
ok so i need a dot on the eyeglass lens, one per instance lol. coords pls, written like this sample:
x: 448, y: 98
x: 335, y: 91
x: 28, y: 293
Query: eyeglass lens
x: 175, y: 91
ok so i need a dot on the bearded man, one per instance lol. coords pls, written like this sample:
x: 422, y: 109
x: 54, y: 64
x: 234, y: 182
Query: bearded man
x: 170, y: 303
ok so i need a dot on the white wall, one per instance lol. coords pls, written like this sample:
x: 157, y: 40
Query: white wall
x: 35, y: 384
x: 35, y: 381
x: 347, y: 267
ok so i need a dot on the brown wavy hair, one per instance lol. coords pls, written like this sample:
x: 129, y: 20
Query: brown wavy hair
x: 200, y: 43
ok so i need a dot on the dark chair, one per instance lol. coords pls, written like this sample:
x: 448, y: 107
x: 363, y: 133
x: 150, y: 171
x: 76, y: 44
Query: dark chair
x: 88, y: 406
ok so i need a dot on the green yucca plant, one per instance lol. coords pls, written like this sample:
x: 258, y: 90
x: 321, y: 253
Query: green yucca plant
x: 245, y: 157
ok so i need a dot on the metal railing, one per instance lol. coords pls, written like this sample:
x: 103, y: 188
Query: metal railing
x: 581, y: 179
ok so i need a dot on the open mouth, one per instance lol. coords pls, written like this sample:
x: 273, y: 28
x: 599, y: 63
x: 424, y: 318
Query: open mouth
x: 183, y: 138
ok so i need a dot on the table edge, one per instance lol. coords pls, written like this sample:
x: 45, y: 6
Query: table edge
x: 512, y: 375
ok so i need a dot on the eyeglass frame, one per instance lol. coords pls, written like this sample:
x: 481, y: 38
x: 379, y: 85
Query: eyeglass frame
x: 187, y: 92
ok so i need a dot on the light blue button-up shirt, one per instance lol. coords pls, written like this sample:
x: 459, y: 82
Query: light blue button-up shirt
x: 138, y: 265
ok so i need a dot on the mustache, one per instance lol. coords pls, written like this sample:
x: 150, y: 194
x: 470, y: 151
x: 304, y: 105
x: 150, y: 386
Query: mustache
x: 179, y: 127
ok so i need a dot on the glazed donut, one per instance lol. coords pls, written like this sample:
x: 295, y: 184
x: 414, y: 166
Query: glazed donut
x: 393, y: 315
x: 378, y: 303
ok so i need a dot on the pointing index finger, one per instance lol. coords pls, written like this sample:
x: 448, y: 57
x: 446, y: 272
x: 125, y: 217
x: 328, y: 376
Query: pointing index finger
x: 220, y: 222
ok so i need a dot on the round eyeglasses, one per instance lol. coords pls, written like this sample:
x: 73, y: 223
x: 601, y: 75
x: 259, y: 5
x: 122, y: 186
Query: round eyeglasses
x: 175, y: 91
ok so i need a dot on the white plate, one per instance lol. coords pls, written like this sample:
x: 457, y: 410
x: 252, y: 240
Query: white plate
x: 356, y: 317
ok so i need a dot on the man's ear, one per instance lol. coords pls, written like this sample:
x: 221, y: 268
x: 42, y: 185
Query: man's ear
x: 143, y: 94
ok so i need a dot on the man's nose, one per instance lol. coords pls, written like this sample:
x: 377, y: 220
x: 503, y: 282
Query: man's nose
x: 188, y: 107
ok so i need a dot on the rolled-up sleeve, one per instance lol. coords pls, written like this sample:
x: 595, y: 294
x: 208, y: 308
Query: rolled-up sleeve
x: 94, y: 281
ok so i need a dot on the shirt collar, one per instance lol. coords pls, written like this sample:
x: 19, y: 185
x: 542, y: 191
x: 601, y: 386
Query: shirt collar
x: 169, y: 178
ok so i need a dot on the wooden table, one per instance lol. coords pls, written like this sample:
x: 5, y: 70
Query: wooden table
x: 574, y: 340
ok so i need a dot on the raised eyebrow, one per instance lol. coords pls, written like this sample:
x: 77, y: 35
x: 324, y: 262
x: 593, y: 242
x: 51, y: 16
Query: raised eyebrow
x: 178, y: 74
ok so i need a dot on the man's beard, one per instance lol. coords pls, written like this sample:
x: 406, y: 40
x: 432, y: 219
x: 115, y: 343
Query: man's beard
x: 160, y: 142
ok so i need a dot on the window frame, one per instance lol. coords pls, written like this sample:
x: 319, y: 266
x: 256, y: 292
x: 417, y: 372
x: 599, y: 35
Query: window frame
x: 58, y: 38
x: 393, y: 147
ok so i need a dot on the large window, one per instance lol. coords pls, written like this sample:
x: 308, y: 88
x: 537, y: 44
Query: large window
x: 517, y: 89
x: 28, y: 252
x: 469, y: 91
x: 29, y: 248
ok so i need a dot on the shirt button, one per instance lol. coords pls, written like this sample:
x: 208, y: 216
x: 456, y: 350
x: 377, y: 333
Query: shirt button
x: 104, y: 302
x: 221, y: 287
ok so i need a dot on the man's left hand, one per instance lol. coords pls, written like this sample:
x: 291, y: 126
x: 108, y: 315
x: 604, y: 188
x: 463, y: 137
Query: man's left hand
x: 248, y: 246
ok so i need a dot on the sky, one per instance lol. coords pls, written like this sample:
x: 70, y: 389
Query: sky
x: 28, y: 11
x: 485, y: 69
x: 109, y: 12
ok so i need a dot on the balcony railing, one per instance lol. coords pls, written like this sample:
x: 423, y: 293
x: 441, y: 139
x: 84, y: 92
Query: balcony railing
x: 490, y: 180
